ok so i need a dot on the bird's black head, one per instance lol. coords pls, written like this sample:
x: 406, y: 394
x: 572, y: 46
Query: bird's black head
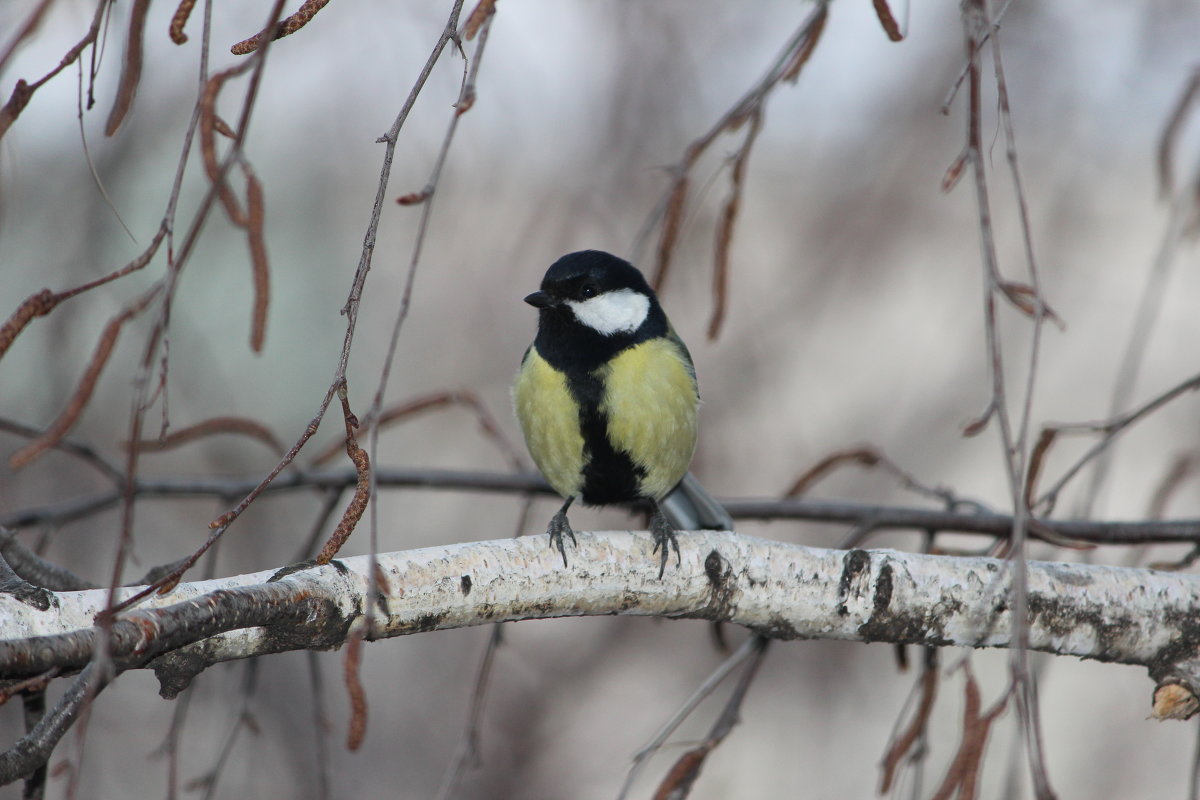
x: 592, y: 305
x: 586, y: 274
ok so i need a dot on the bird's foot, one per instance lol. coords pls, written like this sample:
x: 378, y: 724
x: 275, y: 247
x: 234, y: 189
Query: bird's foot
x: 556, y: 529
x: 664, y: 539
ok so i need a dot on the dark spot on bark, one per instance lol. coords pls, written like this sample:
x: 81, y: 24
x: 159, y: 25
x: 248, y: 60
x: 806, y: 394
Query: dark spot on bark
x: 714, y: 568
x: 902, y: 628
x: 427, y: 622
x: 1062, y: 619
x: 883, y: 589
x: 852, y: 566
x: 466, y: 585
x: 778, y: 628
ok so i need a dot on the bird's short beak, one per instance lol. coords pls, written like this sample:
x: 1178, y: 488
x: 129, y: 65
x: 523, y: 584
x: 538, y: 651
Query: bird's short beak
x: 540, y: 300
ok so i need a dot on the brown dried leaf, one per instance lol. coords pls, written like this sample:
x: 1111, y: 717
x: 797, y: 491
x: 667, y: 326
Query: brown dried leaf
x: 256, y: 216
x: 208, y: 145
x: 954, y: 172
x: 726, y: 225
x: 131, y: 70
x: 485, y: 9
x: 464, y: 105
x: 413, y: 198
x: 677, y: 783
x: 916, y: 726
x: 671, y: 225
x: 808, y: 46
x: 362, y: 489
x: 976, y: 426
x: 222, y: 127
x: 240, y: 426
x: 354, y: 688
x: 964, y: 770
x: 1036, y: 459
x: 83, y: 390
x: 17, y: 101
x: 888, y: 21
x: 1026, y: 299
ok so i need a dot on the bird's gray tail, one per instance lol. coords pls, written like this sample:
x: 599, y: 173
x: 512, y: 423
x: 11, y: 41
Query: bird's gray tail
x: 689, y: 507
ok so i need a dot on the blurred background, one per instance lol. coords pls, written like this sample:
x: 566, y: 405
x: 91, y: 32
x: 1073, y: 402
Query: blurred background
x: 854, y: 318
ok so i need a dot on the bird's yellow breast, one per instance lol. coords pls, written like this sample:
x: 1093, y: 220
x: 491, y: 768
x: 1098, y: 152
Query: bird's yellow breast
x: 549, y: 418
x: 650, y: 406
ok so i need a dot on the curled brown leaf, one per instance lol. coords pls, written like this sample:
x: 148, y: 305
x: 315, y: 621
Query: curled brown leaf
x: 36, y: 305
x: 726, y: 225
x: 179, y: 21
x: 362, y: 489
x: 864, y: 456
x: 286, y: 27
x: 208, y: 144
x: 84, y: 389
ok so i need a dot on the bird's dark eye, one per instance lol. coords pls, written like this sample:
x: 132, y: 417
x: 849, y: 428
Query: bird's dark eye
x: 588, y: 290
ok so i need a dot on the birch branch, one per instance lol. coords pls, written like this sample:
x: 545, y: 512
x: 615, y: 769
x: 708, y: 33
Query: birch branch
x: 779, y: 590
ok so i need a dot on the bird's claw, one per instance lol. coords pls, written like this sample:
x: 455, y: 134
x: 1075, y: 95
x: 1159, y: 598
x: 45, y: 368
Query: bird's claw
x: 664, y: 540
x: 559, y: 526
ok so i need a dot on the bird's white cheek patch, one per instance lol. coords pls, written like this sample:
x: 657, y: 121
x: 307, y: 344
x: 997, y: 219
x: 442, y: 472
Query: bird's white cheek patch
x: 620, y: 311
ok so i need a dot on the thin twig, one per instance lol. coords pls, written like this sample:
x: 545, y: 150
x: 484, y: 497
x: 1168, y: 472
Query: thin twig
x: 745, y: 651
x: 670, y: 209
x: 827, y: 511
x: 1111, y: 429
x: 467, y: 754
x: 682, y: 776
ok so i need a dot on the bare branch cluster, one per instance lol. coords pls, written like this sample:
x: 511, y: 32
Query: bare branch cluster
x: 57, y: 625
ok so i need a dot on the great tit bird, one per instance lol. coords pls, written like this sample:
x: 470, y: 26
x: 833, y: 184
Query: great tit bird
x: 606, y: 394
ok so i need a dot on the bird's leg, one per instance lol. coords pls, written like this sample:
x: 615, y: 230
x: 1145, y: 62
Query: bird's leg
x: 664, y: 537
x: 558, y: 526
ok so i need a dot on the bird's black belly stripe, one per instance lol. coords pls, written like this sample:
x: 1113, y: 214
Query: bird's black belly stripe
x: 610, y: 476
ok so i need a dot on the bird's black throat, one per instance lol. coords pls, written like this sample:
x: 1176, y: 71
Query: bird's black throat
x: 579, y: 352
